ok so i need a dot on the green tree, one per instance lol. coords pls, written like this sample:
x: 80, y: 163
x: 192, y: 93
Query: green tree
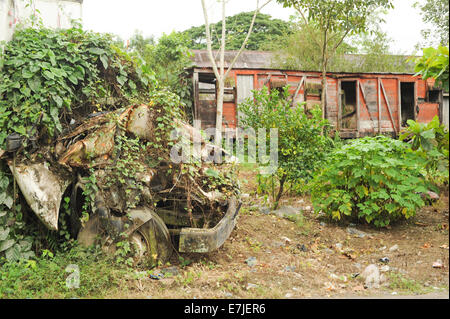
x: 138, y: 42
x: 265, y: 31
x: 169, y: 58
x: 301, y: 146
x: 335, y: 19
x: 434, y: 64
x: 435, y: 12
x: 369, y: 51
x: 219, y: 67
x: 299, y: 50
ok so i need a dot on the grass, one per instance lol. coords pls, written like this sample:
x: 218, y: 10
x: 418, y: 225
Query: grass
x: 400, y: 283
x: 47, y: 277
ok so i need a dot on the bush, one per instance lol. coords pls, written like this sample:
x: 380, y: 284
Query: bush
x: 302, y: 138
x: 431, y: 141
x: 376, y: 179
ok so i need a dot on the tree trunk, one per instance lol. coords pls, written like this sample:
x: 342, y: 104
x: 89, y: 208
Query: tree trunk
x: 219, y: 114
x: 324, y: 92
x: 324, y: 73
x: 280, y: 191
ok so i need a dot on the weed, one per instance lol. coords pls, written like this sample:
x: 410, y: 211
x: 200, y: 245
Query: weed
x: 399, y: 282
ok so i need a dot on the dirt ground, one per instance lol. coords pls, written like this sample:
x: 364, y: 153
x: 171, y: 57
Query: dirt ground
x: 268, y: 256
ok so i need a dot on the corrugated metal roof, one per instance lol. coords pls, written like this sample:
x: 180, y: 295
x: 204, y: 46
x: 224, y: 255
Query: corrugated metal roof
x: 263, y: 60
x: 247, y: 59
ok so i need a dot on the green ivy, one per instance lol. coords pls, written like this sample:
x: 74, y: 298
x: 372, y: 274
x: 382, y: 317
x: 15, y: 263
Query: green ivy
x: 51, y: 76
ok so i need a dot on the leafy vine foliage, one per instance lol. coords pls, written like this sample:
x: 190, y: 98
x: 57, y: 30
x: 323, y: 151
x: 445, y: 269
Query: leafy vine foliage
x: 49, y: 80
x: 51, y: 76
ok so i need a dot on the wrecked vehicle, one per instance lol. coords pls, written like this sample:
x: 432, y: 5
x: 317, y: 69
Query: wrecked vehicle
x: 116, y: 169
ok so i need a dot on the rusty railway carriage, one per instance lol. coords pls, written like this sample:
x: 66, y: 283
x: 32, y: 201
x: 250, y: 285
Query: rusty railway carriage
x: 358, y: 104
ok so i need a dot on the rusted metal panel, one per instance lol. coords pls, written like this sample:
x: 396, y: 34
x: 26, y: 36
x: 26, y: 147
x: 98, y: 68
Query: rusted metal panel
x: 202, y: 240
x: 427, y: 111
x: 42, y: 188
x: 244, y: 87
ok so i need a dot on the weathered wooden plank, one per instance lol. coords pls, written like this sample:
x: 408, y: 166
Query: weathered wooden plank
x: 357, y: 106
x: 388, y: 106
x: 297, y: 90
x: 379, y: 105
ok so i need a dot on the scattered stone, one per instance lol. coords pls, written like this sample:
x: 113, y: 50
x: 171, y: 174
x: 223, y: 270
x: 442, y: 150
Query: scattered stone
x: 382, y: 248
x: 384, y: 260
x: 333, y: 276
x: 394, y: 293
x: 328, y: 251
x: 278, y: 244
x: 322, y: 224
x: 393, y: 248
x: 296, y: 274
x: 286, y: 240
x: 307, y: 208
x: 437, y: 264
x: 300, y: 201
x: 264, y: 210
x: 251, y: 261
x: 338, y: 246
x: 245, y: 195
x: 354, y: 231
x: 228, y: 294
x: 289, y: 268
x: 286, y: 212
x: 251, y: 286
x: 371, y: 276
x: 296, y: 288
x: 384, y: 268
x: 288, y: 295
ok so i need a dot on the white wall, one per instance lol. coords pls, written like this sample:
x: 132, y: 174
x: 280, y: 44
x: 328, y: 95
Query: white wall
x: 54, y: 14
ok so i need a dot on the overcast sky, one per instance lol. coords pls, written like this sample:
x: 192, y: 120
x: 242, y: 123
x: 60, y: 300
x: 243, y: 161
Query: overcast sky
x: 403, y: 23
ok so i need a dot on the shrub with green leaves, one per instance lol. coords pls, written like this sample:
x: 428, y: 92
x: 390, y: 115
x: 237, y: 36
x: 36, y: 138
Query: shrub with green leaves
x: 301, y: 145
x: 431, y: 141
x: 374, y: 179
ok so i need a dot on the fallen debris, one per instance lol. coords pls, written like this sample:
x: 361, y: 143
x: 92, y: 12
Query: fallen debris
x: 119, y: 167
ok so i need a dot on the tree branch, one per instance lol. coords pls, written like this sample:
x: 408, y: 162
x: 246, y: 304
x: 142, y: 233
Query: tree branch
x: 208, y: 41
x: 248, y: 35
